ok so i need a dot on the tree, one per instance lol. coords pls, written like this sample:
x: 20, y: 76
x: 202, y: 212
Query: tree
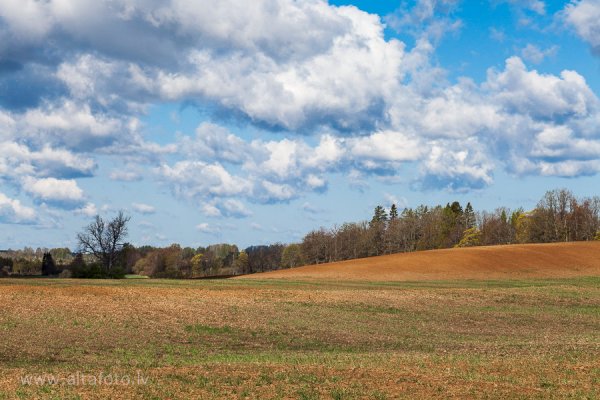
x: 393, y: 212
x: 48, y: 266
x: 197, y: 265
x: 379, y: 215
x: 241, y: 263
x: 292, y: 256
x: 104, y: 240
x: 469, y: 216
x: 314, y: 247
x: 471, y: 237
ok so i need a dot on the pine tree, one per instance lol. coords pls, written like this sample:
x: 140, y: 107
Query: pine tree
x: 393, y: 212
x: 469, y: 216
x: 379, y: 215
x: 48, y: 266
x: 456, y: 208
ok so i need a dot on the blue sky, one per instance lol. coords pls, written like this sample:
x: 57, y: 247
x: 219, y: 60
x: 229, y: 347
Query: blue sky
x: 255, y: 122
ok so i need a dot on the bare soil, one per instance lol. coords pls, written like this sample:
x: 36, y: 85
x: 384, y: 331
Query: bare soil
x: 555, y: 260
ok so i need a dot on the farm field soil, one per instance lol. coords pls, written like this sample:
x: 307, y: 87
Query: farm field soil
x: 553, y: 260
x: 280, y: 339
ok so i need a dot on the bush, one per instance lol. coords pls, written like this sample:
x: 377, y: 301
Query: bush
x: 95, y: 271
x: 65, y: 274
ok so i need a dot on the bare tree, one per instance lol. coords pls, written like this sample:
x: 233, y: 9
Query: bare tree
x: 104, y: 239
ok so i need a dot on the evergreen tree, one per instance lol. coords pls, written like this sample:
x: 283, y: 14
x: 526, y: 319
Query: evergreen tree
x: 393, y: 212
x: 379, y: 215
x: 469, y: 216
x: 48, y: 266
x: 456, y: 208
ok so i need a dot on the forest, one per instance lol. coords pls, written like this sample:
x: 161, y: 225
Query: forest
x: 558, y: 217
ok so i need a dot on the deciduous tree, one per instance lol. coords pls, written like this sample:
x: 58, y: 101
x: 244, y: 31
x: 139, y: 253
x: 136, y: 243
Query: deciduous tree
x: 104, y: 239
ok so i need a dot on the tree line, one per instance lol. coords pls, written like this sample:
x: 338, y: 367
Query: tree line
x: 558, y: 217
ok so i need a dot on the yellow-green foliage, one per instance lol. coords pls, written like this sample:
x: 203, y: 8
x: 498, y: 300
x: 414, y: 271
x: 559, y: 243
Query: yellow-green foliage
x: 471, y: 237
x: 597, y: 236
x: 197, y: 265
x: 522, y: 225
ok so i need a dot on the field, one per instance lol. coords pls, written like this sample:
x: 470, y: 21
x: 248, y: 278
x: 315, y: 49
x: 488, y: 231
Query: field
x: 521, y: 337
x: 552, y: 260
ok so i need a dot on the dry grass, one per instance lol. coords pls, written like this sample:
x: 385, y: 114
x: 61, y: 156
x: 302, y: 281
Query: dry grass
x: 553, y: 260
x: 307, y: 340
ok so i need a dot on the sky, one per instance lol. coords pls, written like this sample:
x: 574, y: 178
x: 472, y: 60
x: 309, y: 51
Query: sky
x: 254, y: 122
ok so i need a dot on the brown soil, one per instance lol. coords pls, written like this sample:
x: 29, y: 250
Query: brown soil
x: 555, y: 260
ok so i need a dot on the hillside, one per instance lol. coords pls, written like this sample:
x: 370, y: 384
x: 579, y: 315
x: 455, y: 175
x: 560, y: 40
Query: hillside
x: 554, y: 260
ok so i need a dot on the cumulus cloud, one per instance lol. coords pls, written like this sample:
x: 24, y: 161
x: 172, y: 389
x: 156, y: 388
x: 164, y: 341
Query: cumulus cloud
x: 459, y: 169
x: 583, y: 16
x: 89, y: 210
x: 70, y: 125
x: 457, y: 135
x: 196, y: 178
x: 239, y: 55
x: 60, y: 192
x: 17, y: 159
x: 12, y: 211
x: 541, y: 96
x: 213, y: 142
x: 345, y: 100
x: 429, y: 19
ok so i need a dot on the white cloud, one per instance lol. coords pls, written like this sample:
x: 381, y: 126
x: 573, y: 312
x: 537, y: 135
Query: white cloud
x: 584, y: 15
x: 400, y: 202
x: 18, y: 159
x: 196, y: 179
x: 276, y: 62
x: 372, y: 105
x: 89, y: 210
x: 143, y: 208
x: 125, y: 175
x: 71, y: 125
x: 535, y: 55
x: 457, y: 169
x: 12, y: 211
x: 541, y: 96
x: 386, y: 146
x: 229, y: 208
x: 213, y: 142
x: 537, y: 6
x: 62, y: 192
x: 206, y: 228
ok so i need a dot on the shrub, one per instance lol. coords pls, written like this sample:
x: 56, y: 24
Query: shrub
x: 65, y: 274
x: 471, y: 237
x: 95, y: 271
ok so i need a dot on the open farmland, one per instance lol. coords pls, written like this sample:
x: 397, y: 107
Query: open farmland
x: 516, y: 337
x: 549, y: 260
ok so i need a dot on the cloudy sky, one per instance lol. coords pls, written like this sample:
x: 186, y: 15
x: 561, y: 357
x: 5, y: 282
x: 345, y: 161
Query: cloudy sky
x: 255, y: 121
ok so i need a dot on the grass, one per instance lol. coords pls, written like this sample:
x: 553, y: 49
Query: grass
x: 534, y: 338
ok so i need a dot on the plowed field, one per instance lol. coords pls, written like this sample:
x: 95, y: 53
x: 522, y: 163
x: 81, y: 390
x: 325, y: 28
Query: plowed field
x: 556, y: 260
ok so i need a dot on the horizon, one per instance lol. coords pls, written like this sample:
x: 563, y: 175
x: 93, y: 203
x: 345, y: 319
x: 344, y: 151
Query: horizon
x: 254, y: 124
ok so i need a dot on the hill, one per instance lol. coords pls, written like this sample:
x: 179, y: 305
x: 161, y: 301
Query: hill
x: 554, y: 260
